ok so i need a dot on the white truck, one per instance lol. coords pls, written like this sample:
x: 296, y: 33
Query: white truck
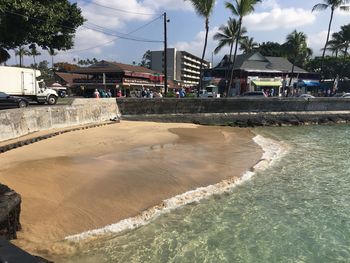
x: 24, y: 82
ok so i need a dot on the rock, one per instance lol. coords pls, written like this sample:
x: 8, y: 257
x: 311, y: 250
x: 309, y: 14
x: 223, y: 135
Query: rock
x: 10, y: 209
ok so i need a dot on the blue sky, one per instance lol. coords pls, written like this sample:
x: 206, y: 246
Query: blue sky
x: 271, y: 21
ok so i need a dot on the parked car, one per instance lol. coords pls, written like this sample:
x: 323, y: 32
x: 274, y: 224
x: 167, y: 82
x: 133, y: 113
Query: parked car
x: 7, y: 101
x: 254, y: 94
x: 306, y: 96
x: 205, y: 94
x: 346, y: 95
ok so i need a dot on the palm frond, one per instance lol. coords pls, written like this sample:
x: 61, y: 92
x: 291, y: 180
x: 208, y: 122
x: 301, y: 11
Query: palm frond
x: 320, y: 7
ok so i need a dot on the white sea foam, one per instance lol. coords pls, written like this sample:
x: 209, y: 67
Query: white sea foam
x: 273, y: 150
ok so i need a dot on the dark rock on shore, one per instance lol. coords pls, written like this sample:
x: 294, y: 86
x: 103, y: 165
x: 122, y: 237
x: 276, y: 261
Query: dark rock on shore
x: 10, y: 209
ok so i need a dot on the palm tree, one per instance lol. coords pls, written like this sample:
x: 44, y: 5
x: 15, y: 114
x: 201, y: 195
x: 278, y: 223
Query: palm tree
x: 333, y: 4
x: 296, y: 48
x: 34, y: 52
x: 52, y: 53
x: 203, y: 8
x: 240, y: 8
x: 21, y: 52
x: 4, y: 55
x: 335, y: 44
x: 248, y: 45
x: 344, y: 35
x: 226, y: 37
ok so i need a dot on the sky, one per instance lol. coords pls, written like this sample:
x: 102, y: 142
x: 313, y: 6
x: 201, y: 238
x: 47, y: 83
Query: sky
x: 272, y: 20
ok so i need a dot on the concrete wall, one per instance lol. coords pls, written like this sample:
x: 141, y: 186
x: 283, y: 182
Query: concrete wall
x: 18, y: 122
x: 130, y: 106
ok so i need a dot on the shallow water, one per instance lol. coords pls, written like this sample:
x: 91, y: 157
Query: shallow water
x: 296, y: 211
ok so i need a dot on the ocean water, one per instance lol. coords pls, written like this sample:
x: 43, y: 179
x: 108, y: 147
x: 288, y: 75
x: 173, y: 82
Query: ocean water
x: 297, y: 210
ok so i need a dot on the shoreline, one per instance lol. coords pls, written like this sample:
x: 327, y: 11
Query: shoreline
x: 92, y: 175
x: 272, y: 151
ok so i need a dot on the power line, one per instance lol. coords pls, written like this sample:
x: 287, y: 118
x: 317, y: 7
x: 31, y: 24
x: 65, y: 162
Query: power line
x: 119, y: 10
x: 106, y: 43
x: 98, y: 30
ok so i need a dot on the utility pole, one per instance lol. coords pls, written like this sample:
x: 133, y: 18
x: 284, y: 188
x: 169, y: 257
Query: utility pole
x: 165, y: 65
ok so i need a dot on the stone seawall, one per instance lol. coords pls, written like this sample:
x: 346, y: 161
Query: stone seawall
x: 131, y: 106
x: 18, y: 122
x: 242, y: 112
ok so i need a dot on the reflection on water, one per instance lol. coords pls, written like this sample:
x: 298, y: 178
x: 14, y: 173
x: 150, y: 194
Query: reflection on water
x: 296, y: 211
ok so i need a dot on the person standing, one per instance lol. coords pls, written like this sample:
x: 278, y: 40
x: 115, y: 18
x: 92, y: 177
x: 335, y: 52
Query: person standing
x: 96, y: 94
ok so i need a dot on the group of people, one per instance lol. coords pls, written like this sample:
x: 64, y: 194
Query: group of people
x: 147, y: 93
x: 102, y: 93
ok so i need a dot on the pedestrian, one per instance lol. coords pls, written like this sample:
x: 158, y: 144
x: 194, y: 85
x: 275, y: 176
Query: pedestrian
x: 96, y: 94
x: 143, y: 93
x: 119, y: 93
x: 109, y: 93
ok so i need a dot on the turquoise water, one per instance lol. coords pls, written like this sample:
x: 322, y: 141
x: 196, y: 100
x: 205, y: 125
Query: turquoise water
x: 296, y: 211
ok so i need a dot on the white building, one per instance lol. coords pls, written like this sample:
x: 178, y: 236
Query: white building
x: 182, y: 67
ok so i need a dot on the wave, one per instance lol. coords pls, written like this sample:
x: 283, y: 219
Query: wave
x: 272, y: 151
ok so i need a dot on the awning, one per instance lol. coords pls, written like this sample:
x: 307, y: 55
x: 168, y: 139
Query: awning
x: 261, y: 83
x: 308, y: 83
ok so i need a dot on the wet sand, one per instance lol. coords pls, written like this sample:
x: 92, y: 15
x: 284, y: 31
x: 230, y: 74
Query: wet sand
x: 88, y: 179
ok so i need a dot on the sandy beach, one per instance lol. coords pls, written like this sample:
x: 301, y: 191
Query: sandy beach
x: 88, y: 179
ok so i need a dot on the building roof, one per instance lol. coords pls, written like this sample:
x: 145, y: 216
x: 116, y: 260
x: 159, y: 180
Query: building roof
x: 114, y: 67
x: 68, y: 77
x: 255, y: 62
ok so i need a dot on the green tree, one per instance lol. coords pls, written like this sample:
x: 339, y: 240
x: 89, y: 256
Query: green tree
x: 296, y: 48
x: 146, y: 59
x: 335, y: 44
x: 333, y: 5
x: 203, y: 8
x: 226, y: 36
x: 271, y: 49
x: 46, y: 73
x: 248, y: 45
x: 22, y: 52
x: 49, y: 24
x: 240, y: 8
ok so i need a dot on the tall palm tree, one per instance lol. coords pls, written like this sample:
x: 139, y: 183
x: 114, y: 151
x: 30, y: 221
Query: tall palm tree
x: 296, y: 48
x: 344, y: 35
x: 34, y: 52
x: 240, y: 8
x: 21, y: 52
x: 333, y: 4
x: 4, y: 55
x: 52, y: 53
x: 248, y: 45
x: 227, y: 36
x: 203, y: 8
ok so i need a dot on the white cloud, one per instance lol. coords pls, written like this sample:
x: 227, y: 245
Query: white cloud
x: 169, y: 4
x: 316, y: 41
x: 279, y: 18
x: 196, y: 45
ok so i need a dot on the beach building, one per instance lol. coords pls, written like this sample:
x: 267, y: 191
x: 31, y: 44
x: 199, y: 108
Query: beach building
x: 182, y: 67
x: 115, y: 76
x: 255, y: 72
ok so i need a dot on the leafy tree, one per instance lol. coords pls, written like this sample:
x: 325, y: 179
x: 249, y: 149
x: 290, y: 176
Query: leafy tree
x: 240, y: 8
x: 226, y: 36
x: 86, y: 62
x: 296, y: 48
x: 248, y: 45
x: 146, y: 59
x: 332, y: 66
x: 47, y: 23
x: 21, y: 52
x: 203, y: 8
x: 333, y: 5
x: 46, y: 73
x: 335, y: 44
x: 271, y: 49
